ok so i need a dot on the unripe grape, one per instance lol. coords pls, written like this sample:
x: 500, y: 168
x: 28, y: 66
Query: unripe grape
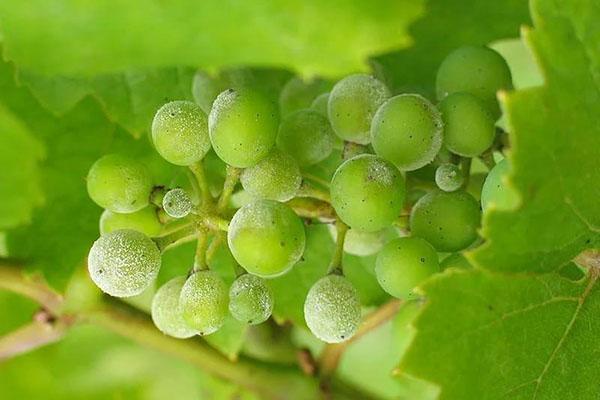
x: 123, y: 263
x: 307, y: 136
x: 266, y: 238
x: 361, y: 243
x: 495, y: 192
x: 180, y: 132
x: 403, y: 264
x: 243, y: 126
x: 119, y: 183
x: 468, y: 126
x: 250, y: 299
x: 205, y: 90
x: 298, y: 94
x: 449, y: 177
x: 320, y: 104
x: 455, y: 260
x: 332, y: 309
x: 177, y: 203
x: 478, y: 70
x: 145, y: 221
x: 352, y: 104
x: 407, y: 130
x: 449, y: 221
x: 367, y: 192
x: 166, y: 313
x: 203, y: 302
x: 275, y: 177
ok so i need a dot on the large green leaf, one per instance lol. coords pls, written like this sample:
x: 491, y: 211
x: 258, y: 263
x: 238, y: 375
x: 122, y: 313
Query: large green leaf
x: 74, y: 37
x: 489, y: 336
x: 555, y: 138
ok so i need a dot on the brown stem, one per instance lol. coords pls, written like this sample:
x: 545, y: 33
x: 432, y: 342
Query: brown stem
x: 311, y: 208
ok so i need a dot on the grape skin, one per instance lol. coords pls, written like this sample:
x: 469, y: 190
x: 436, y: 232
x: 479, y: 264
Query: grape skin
x: 204, y: 302
x: 403, y: 264
x: 478, y: 70
x: 266, y: 238
x: 495, y: 193
x: 361, y: 243
x: 367, y: 193
x: 243, y: 126
x: 119, y: 183
x: 407, y: 130
x: 448, y: 221
x: 177, y: 203
x: 298, y: 94
x: 250, y: 300
x: 180, y: 133
x: 320, y: 104
x: 276, y: 177
x: 145, y: 221
x: 123, y: 263
x: 205, y: 90
x: 469, y: 128
x: 307, y: 136
x: 332, y: 309
x: 352, y: 104
x: 448, y: 177
x: 166, y: 313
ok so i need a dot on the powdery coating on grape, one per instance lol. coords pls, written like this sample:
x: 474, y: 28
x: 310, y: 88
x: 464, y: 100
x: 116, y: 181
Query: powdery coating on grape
x: 307, y: 136
x: 250, y: 299
x: 449, y: 221
x: 361, y: 243
x: 407, y: 130
x: 243, y: 126
x: 180, y: 132
x: 320, y: 104
x: 166, y: 313
x: 119, y: 183
x: 276, y: 177
x: 352, y: 105
x: 495, y: 192
x: 266, y: 238
x: 124, y: 263
x: 367, y: 193
x: 145, y: 221
x: 177, y: 203
x: 448, y: 177
x: 403, y: 264
x: 469, y: 128
x: 332, y: 309
x: 298, y: 94
x: 203, y: 302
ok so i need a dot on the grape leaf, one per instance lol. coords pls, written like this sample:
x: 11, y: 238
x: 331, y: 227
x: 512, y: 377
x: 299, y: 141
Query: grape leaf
x: 446, y: 25
x: 484, y: 335
x: 72, y: 38
x: 555, y: 139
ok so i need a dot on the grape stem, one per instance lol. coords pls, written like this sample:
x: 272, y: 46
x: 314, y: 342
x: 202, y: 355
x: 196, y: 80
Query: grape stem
x: 307, y: 207
x: 274, y: 382
x: 465, y: 167
x: 201, y: 184
x: 201, y: 246
x: 488, y: 159
x: 177, y: 237
x: 315, y: 179
x: 335, y: 266
x: 231, y: 179
x: 308, y: 190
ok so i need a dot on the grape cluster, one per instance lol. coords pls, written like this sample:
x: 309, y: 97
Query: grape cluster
x: 392, y: 170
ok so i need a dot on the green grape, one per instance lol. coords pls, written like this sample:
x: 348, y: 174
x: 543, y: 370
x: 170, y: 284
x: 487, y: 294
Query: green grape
x: 361, y: 243
x: 145, y: 221
x: 177, y: 203
x: 298, y: 94
x: 166, y: 313
x: 352, y: 105
x: 250, y: 299
x: 448, y: 221
x: 367, y: 193
x: 495, y: 192
x: 123, y: 263
x: 307, y: 136
x: 468, y: 126
x: 119, y: 183
x: 455, y: 260
x: 243, y: 126
x: 205, y: 90
x: 275, y: 177
x: 266, y: 238
x: 332, y: 309
x: 203, y: 302
x: 180, y: 132
x: 449, y: 177
x: 477, y: 70
x: 320, y: 104
x: 407, y: 130
x: 403, y: 264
